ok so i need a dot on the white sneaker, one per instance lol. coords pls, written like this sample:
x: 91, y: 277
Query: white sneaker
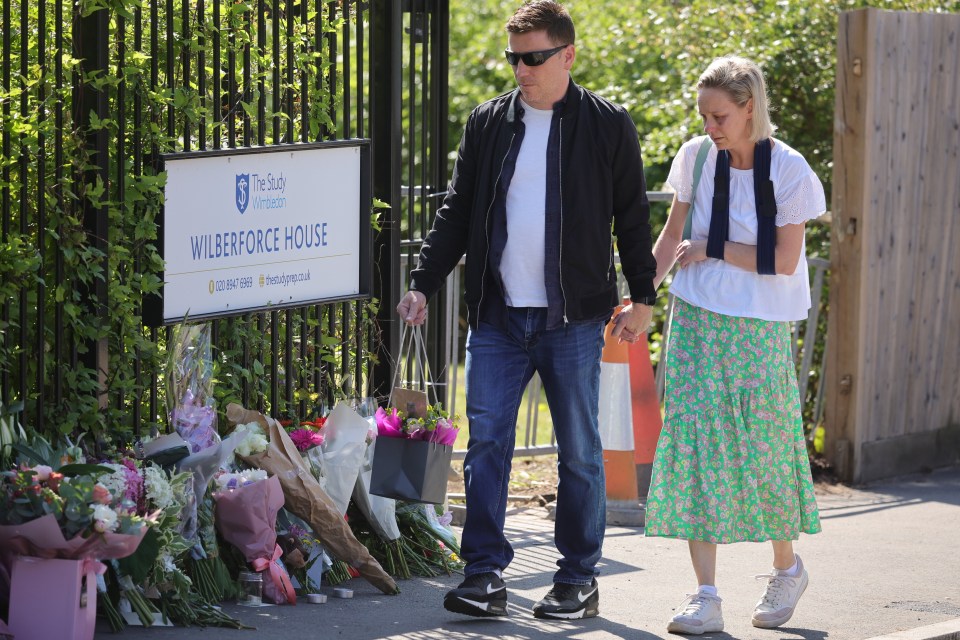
x: 780, y: 598
x: 699, y: 613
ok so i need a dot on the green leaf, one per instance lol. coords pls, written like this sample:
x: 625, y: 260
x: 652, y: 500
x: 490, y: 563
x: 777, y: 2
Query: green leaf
x: 78, y: 469
x: 29, y: 453
x: 138, y: 565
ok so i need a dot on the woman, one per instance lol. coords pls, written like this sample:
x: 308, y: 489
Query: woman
x: 731, y: 463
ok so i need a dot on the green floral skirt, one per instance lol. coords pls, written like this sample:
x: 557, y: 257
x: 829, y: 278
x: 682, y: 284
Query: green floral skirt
x: 731, y: 462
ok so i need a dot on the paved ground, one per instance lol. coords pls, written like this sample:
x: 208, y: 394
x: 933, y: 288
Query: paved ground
x: 888, y: 560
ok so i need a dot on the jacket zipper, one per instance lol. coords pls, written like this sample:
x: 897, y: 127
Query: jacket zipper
x: 486, y: 227
x: 563, y: 294
x: 610, y: 268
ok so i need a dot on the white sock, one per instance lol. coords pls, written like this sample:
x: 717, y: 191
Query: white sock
x: 708, y: 589
x: 792, y: 571
x: 499, y: 573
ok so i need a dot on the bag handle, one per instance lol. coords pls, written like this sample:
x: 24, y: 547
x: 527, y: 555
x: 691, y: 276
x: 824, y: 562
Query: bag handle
x: 413, y: 345
x: 697, y: 170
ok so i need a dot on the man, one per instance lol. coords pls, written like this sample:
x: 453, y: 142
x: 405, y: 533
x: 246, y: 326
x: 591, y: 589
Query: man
x: 541, y: 175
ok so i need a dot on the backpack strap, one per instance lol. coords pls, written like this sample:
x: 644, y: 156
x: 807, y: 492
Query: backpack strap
x: 697, y: 170
x: 766, y: 203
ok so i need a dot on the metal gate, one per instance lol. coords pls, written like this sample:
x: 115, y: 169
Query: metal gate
x: 92, y: 92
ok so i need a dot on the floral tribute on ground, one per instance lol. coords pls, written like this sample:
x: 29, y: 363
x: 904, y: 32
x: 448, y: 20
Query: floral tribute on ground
x: 159, y: 531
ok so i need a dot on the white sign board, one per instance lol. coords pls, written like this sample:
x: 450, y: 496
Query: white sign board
x: 277, y: 226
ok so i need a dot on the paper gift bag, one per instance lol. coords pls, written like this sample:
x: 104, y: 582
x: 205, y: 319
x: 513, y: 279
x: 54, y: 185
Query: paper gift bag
x: 37, y: 584
x: 412, y: 470
x: 412, y: 401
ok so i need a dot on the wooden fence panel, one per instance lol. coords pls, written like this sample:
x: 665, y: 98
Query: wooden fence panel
x: 893, y: 402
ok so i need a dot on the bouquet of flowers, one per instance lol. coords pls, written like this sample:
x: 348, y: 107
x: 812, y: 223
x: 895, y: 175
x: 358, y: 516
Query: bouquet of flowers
x: 435, y: 426
x: 49, y: 514
x: 305, y: 498
x: 190, y: 403
x: 247, y: 506
x: 77, y: 516
x: 413, y: 453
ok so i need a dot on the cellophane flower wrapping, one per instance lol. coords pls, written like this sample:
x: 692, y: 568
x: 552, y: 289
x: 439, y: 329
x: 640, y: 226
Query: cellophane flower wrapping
x: 190, y: 403
x: 380, y: 512
x: 345, y: 442
x: 44, y: 514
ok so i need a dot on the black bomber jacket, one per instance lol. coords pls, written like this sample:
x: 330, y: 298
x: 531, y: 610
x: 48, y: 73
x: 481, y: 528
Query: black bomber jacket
x: 602, y: 187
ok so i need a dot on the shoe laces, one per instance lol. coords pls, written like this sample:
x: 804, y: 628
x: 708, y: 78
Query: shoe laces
x: 777, y: 586
x: 561, y: 591
x: 480, y: 580
x: 694, y: 603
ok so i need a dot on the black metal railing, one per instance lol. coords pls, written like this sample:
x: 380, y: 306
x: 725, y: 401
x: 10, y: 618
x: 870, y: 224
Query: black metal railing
x: 91, y: 96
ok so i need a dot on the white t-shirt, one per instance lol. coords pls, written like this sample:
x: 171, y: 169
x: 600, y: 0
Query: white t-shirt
x: 721, y: 287
x: 521, y: 266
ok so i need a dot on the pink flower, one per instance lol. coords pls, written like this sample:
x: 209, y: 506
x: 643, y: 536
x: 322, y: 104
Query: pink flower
x: 445, y: 433
x: 389, y: 424
x: 134, y: 491
x: 306, y: 438
x: 43, y: 472
x: 101, y: 495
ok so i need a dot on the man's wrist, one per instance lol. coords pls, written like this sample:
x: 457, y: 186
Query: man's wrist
x: 646, y: 300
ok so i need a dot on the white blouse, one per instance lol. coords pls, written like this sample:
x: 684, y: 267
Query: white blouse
x: 721, y: 287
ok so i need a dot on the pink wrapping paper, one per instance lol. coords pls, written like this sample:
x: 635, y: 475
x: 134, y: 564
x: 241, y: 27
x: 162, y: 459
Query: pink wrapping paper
x: 42, y: 538
x: 246, y: 517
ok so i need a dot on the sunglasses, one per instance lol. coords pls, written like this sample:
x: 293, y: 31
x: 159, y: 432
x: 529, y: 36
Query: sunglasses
x: 532, y: 58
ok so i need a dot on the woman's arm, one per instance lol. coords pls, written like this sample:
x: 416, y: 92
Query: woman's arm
x: 665, y: 250
x: 789, y: 246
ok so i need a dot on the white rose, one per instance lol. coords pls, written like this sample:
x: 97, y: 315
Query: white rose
x: 105, y: 518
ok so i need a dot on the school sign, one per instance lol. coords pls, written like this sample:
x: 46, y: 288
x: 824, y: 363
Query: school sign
x: 252, y: 229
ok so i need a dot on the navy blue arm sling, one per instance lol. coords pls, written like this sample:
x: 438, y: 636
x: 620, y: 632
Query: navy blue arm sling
x: 766, y: 205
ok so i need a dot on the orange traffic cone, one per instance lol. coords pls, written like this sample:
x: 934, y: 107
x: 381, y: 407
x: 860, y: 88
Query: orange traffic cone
x: 617, y: 434
x: 647, y: 420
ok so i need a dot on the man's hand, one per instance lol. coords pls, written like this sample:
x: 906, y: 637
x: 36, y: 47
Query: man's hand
x: 632, y: 322
x: 413, y: 308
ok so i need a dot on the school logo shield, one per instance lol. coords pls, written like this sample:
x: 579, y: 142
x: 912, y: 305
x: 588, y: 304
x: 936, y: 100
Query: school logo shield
x: 243, y: 191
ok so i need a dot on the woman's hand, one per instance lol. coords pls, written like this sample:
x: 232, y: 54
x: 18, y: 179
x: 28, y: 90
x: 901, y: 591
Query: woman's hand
x: 690, y: 251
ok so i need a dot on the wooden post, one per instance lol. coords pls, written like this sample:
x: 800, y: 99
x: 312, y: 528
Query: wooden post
x: 892, y: 371
x: 850, y: 166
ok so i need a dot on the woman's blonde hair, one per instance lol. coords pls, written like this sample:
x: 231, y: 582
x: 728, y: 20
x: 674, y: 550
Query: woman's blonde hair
x: 742, y: 79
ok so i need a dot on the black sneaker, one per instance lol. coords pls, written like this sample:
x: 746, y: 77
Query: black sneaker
x: 569, y: 602
x: 482, y: 595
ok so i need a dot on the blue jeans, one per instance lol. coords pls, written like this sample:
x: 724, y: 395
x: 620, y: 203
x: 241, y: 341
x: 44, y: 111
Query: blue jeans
x: 499, y: 366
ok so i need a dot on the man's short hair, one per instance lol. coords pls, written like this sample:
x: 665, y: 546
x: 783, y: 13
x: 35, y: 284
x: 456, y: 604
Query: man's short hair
x: 544, y: 15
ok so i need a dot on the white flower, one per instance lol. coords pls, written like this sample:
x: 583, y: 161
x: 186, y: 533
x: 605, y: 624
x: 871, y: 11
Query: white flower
x: 253, y: 441
x: 243, y: 478
x: 226, y: 479
x: 167, y: 561
x: 253, y: 475
x: 116, y: 482
x: 158, y: 487
x: 105, y: 518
